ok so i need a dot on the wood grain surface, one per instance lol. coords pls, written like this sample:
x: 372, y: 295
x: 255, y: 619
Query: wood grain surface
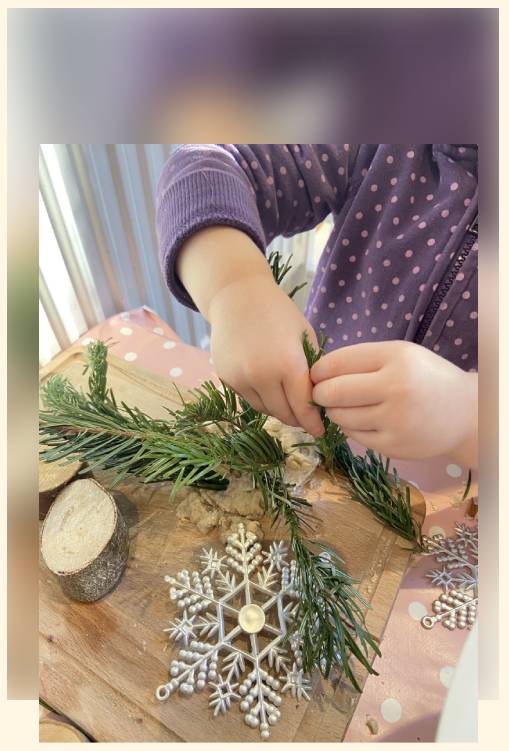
x: 101, y: 662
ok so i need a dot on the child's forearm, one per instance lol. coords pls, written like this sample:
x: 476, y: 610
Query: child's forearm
x: 215, y: 257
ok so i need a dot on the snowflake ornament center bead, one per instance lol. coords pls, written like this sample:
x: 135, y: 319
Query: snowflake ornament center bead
x: 251, y: 619
x: 235, y: 615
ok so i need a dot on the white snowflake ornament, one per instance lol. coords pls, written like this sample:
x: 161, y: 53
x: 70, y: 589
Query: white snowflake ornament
x: 457, y: 605
x: 234, y: 616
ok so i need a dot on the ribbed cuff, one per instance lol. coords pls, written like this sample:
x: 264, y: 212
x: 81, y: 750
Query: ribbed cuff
x: 202, y: 199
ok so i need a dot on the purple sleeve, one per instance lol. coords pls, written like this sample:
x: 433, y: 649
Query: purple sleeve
x: 262, y: 189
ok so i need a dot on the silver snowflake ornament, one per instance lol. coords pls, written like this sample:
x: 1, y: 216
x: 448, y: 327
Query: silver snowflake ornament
x: 458, y: 577
x: 234, y: 616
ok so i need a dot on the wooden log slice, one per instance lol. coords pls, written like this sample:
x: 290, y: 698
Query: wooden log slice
x: 85, y: 541
x: 53, y: 477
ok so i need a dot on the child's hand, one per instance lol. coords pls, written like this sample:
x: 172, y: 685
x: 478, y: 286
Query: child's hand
x: 256, y: 345
x: 400, y: 399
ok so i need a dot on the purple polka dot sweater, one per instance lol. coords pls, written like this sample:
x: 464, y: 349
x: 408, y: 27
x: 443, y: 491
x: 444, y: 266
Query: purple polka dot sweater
x: 401, y: 261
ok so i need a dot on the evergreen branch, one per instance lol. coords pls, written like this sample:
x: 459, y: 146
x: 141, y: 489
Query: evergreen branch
x: 93, y: 427
x: 280, y: 270
x: 369, y: 478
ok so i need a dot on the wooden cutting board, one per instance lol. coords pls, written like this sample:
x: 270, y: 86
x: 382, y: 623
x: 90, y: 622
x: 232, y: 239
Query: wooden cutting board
x: 100, y: 663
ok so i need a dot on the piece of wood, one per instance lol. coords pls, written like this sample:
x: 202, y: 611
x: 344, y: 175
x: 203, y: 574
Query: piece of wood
x: 101, y: 662
x: 55, y: 728
x: 84, y: 541
x: 53, y: 477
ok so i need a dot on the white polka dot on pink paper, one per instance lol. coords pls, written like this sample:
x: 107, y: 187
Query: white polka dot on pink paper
x: 169, y: 344
x: 175, y: 372
x: 130, y: 356
x: 126, y: 331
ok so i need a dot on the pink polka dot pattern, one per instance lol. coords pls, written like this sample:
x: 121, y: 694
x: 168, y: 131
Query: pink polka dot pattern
x: 400, y: 215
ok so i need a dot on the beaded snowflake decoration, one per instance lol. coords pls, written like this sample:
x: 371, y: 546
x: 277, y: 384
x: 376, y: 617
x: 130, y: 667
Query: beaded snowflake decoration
x: 458, y: 577
x: 234, y: 615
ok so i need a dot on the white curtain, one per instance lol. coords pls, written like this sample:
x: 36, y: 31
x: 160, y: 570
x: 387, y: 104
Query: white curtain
x: 98, y: 251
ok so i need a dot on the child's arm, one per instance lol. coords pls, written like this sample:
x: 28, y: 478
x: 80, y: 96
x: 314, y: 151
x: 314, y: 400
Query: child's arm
x: 400, y: 399
x: 218, y: 207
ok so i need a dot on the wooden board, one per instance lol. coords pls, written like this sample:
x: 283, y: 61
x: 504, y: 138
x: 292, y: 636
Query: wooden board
x: 101, y: 662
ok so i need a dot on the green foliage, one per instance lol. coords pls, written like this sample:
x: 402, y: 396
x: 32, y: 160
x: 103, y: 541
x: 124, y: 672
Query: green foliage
x: 280, y: 270
x: 369, y: 477
x: 199, y: 445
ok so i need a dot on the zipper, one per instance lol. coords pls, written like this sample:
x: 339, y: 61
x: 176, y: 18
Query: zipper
x: 444, y: 288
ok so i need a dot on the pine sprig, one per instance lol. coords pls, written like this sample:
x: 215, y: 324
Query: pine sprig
x: 369, y: 477
x: 184, y: 450
x: 280, y: 270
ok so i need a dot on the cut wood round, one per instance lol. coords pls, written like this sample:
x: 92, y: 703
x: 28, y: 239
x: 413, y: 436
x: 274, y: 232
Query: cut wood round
x: 51, y: 731
x: 53, y: 477
x: 85, y: 541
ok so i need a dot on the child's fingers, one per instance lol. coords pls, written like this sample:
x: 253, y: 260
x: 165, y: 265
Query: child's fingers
x: 349, y: 391
x: 276, y: 403
x: 298, y: 390
x: 251, y: 396
x: 356, y: 418
x: 365, y: 357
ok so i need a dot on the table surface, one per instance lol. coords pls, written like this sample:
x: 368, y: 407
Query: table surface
x: 406, y: 699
